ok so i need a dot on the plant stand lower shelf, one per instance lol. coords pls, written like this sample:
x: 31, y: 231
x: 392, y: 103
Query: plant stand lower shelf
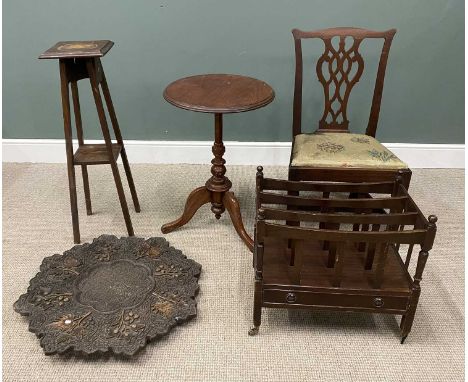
x: 110, y: 295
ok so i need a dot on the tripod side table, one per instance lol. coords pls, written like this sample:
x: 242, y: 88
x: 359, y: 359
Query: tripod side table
x: 217, y: 94
x: 79, y: 60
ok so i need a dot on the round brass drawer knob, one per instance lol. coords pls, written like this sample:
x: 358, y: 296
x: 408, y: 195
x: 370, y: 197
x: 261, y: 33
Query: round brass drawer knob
x: 378, y: 302
x: 291, y: 297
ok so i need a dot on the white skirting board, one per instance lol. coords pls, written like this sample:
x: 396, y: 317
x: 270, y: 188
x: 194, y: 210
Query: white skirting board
x: 237, y: 153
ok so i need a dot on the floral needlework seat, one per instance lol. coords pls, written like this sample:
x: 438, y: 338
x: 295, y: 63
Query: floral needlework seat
x: 342, y: 150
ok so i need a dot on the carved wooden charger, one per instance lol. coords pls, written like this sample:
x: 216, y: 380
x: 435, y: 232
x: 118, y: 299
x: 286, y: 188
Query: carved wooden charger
x: 110, y: 295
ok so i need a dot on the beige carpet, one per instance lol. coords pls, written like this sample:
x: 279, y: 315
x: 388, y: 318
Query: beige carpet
x: 291, y: 346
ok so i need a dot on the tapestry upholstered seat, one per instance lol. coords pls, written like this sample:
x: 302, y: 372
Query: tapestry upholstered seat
x: 342, y: 150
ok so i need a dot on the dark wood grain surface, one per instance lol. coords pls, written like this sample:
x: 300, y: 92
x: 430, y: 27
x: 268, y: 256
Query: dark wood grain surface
x: 328, y: 257
x: 219, y: 93
x: 76, y: 49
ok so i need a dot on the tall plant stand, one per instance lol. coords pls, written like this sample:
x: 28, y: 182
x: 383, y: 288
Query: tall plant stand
x: 79, y: 60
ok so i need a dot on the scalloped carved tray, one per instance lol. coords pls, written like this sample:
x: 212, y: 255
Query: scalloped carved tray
x: 111, y: 295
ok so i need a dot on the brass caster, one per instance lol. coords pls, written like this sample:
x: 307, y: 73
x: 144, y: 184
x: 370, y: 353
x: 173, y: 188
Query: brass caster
x: 253, y: 331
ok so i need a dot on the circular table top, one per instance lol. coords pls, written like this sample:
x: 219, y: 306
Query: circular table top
x: 219, y: 93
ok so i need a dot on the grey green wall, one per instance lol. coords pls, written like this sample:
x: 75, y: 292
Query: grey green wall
x: 157, y: 41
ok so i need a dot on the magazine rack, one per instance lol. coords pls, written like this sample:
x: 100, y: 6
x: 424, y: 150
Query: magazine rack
x: 325, y: 250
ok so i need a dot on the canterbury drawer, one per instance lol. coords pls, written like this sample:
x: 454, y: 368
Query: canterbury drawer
x: 339, y: 300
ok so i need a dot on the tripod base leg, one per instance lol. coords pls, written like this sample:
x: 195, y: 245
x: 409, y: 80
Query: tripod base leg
x: 196, y: 199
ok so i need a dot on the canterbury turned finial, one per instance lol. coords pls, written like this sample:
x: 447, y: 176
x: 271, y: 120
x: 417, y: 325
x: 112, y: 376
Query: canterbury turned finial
x: 260, y: 171
x: 432, y: 219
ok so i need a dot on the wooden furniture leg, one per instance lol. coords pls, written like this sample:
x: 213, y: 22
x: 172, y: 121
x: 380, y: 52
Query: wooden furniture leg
x: 408, y: 318
x: 196, y: 199
x: 232, y: 205
x: 69, y: 150
x: 118, y: 136
x: 92, y: 72
x: 257, y: 310
x: 79, y: 133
